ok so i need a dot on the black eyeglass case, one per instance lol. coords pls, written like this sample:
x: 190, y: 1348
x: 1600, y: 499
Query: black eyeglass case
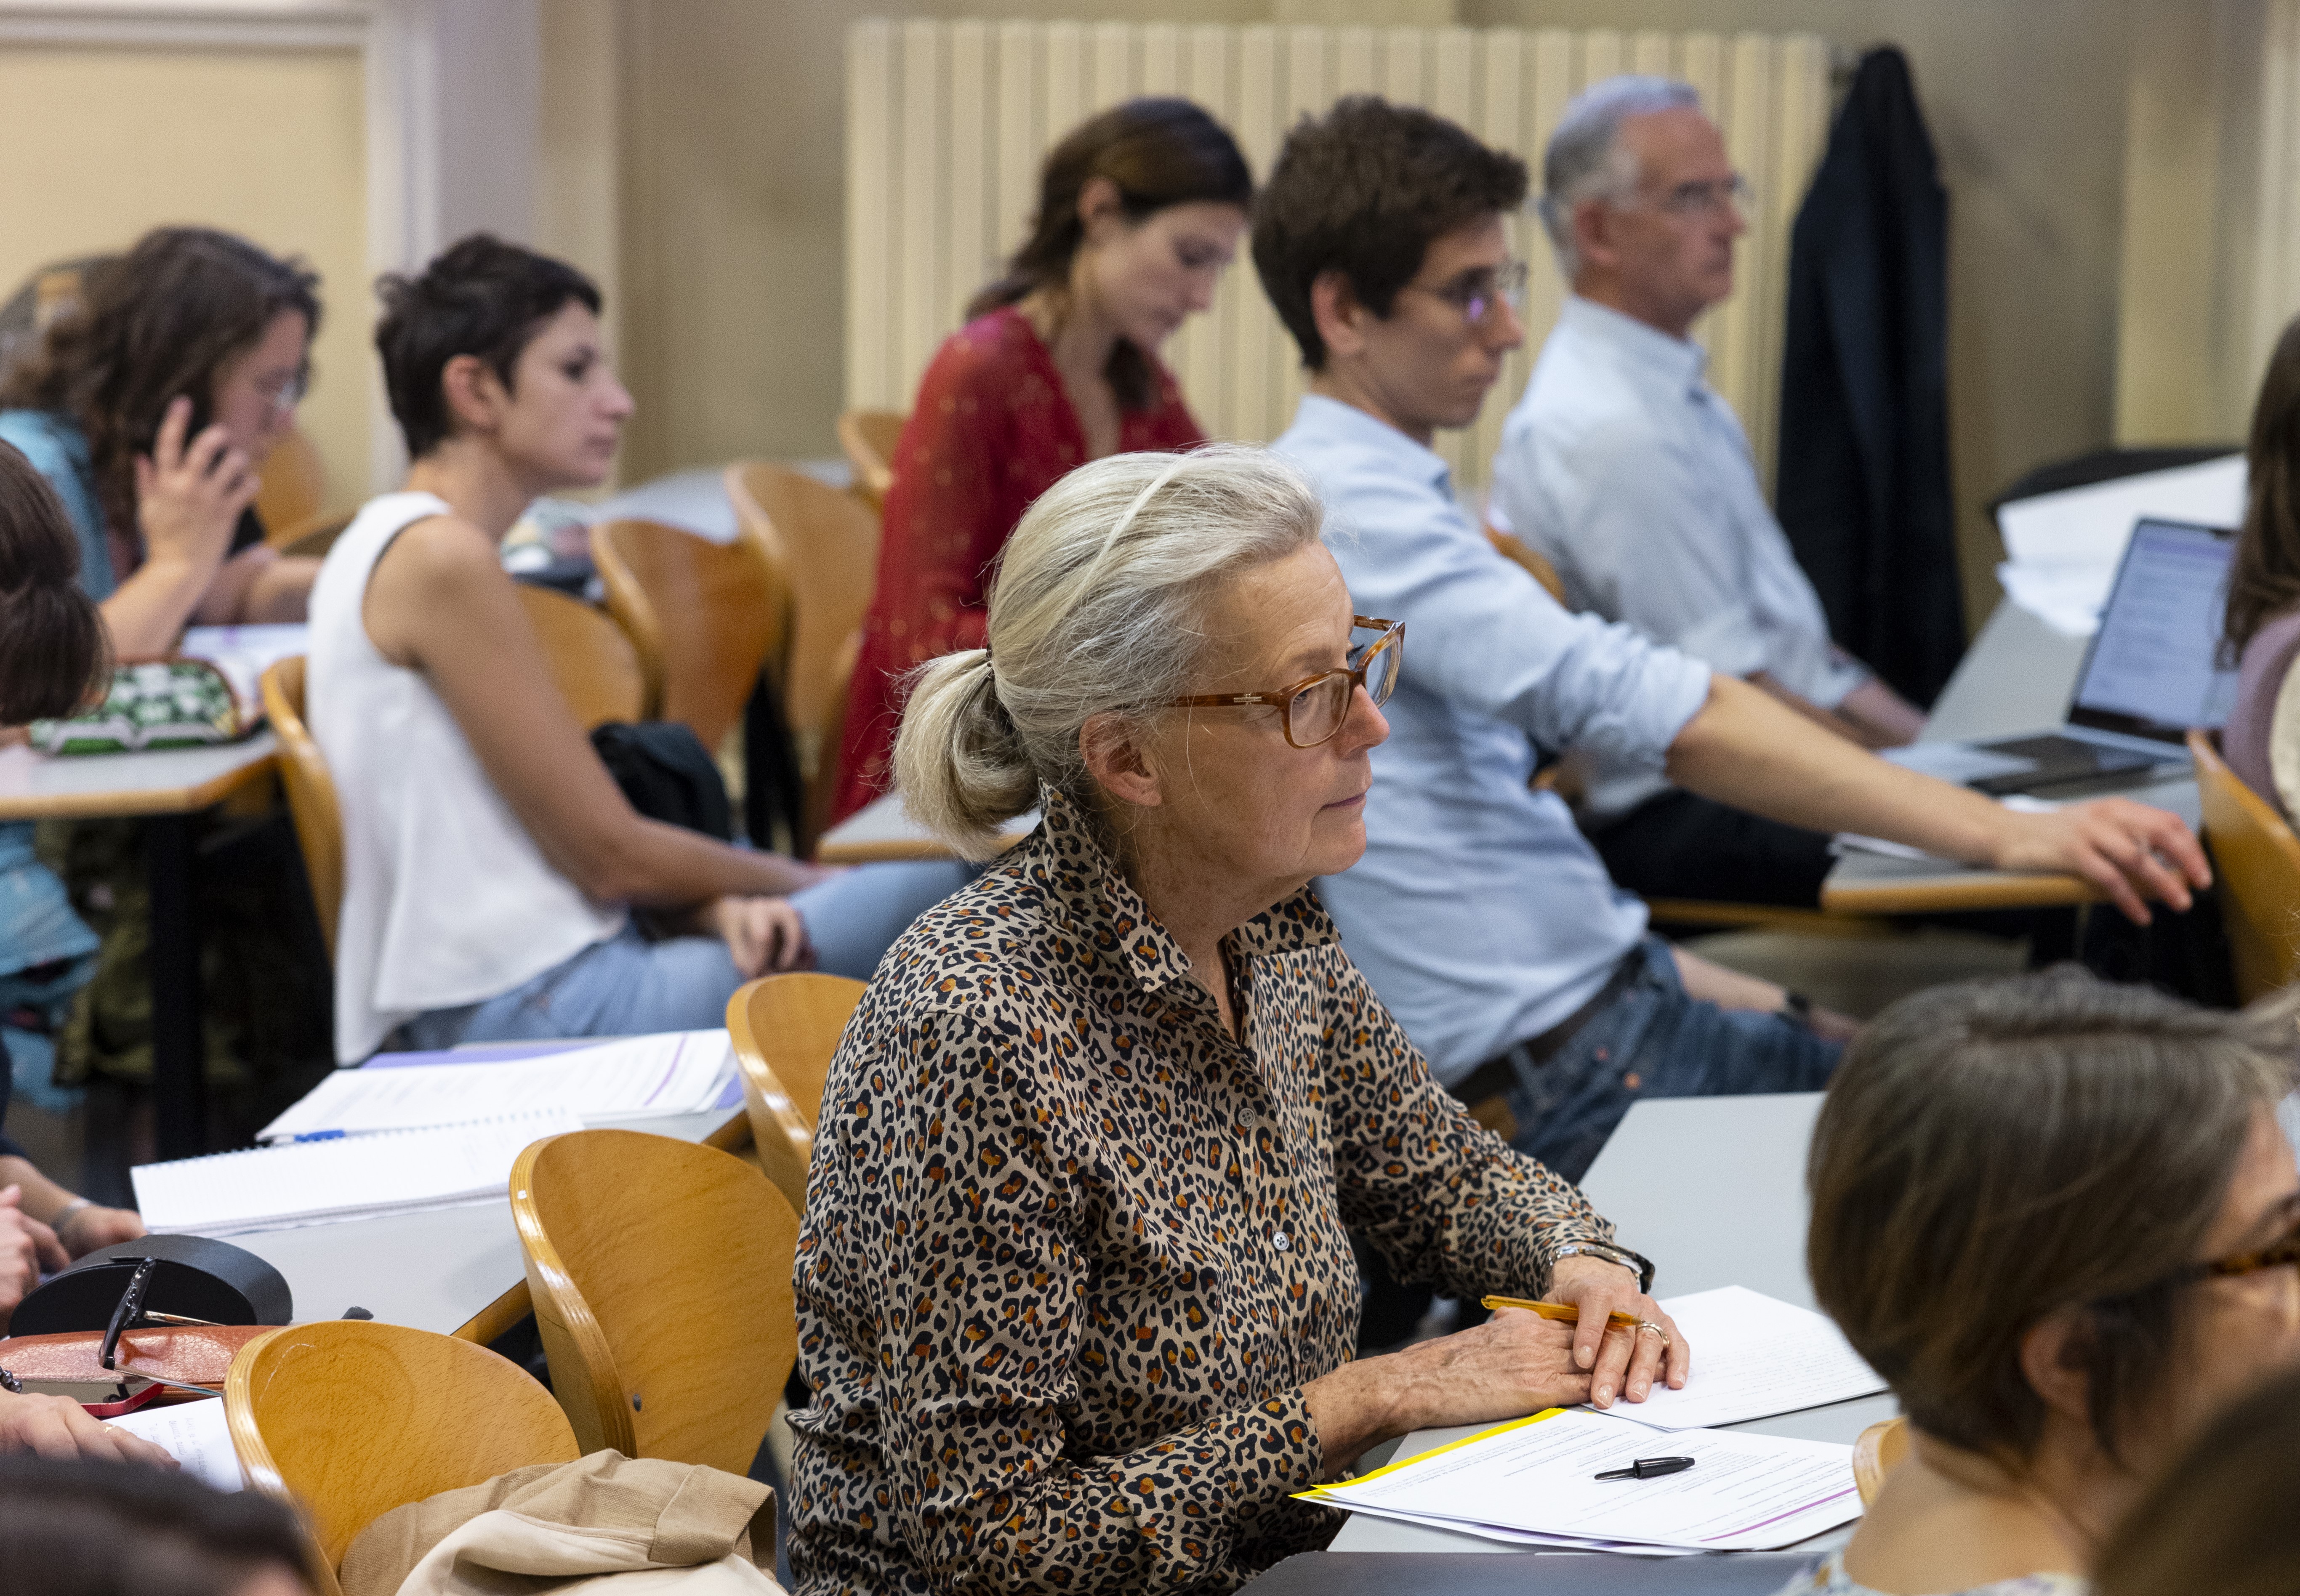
x: 198, y: 1278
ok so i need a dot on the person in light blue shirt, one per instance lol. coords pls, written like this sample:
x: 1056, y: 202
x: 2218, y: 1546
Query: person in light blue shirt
x: 1626, y: 470
x: 1485, y: 921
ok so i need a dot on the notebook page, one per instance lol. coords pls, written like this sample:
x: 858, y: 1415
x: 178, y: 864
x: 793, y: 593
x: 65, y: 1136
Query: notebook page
x: 1754, y: 1355
x: 195, y: 1434
x: 314, y: 1182
x: 677, y: 1072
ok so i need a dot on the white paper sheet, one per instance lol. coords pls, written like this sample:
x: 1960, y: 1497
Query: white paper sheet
x: 243, y: 654
x: 1745, y: 1492
x: 677, y: 1072
x: 1513, y: 1537
x: 2062, y: 549
x: 349, y: 1177
x: 195, y: 1434
x: 1754, y: 1355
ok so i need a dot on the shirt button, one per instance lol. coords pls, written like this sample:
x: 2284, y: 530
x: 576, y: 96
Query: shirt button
x: 1279, y: 1241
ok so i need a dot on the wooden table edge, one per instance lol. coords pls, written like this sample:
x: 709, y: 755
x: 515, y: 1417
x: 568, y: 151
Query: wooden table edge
x: 893, y: 849
x: 156, y: 801
x: 1923, y: 896
x: 515, y: 1304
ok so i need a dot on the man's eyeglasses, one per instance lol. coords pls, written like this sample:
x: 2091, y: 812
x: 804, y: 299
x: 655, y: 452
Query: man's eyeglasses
x: 1312, y: 710
x: 1478, y: 294
x: 1703, y: 198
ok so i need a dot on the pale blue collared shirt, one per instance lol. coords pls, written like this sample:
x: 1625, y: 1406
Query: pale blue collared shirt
x: 1480, y: 913
x: 1626, y: 470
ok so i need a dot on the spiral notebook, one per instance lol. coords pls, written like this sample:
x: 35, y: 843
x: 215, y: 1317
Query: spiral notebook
x: 352, y: 1177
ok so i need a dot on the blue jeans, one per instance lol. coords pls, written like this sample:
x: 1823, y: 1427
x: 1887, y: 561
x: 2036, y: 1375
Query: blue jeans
x: 1654, y: 1041
x: 630, y: 986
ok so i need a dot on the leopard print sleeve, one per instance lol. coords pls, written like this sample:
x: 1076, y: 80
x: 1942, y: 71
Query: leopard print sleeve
x: 1442, y: 1198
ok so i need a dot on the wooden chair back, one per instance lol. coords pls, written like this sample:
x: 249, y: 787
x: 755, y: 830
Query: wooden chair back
x: 1519, y: 552
x: 868, y: 438
x: 786, y: 1028
x: 594, y: 663
x: 2257, y: 858
x: 293, y: 499
x: 350, y: 1419
x: 706, y: 616
x: 829, y: 542
x: 312, y: 803
x: 660, y: 1274
x: 1880, y: 1448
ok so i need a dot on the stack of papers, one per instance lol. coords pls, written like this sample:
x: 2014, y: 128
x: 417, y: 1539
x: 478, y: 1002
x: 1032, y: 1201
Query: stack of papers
x: 242, y: 654
x: 1754, y: 1355
x: 677, y: 1072
x: 352, y: 1177
x: 1532, y: 1482
x: 195, y: 1434
x: 2061, y: 550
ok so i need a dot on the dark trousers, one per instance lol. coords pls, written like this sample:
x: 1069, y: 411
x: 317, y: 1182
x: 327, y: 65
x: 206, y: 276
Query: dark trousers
x: 1680, y: 844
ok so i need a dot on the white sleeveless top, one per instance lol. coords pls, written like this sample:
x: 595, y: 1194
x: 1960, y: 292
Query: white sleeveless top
x: 447, y: 901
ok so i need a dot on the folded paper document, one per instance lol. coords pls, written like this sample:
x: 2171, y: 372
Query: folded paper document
x: 1754, y: 1355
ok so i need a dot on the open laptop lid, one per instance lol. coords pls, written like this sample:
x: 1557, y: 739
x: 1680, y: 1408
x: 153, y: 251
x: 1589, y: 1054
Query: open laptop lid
x: 2152, y: 670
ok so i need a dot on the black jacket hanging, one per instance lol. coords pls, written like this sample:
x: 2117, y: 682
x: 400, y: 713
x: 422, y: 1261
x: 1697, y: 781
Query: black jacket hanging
x: 1864, y: 485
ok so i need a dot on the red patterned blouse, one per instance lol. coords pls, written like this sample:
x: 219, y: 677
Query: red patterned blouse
x: 991, y: 431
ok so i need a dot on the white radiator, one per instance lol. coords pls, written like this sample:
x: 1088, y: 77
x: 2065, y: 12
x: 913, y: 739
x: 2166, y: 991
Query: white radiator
x: 946, y: 123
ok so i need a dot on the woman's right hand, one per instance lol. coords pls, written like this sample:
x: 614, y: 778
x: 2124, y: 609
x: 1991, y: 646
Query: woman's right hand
x: 54, y: 1426
x: 1512, y: 1365
x: 188, y: 496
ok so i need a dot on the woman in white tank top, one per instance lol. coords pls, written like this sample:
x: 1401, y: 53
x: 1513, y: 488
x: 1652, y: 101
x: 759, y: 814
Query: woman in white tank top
x: 490, y: 860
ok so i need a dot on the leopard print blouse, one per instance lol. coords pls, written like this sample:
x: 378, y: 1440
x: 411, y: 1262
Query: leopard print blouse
x: 1071, y: 1252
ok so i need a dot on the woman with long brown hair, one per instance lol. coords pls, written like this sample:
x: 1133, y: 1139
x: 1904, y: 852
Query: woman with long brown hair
x: 1139, y: 210
x: 2262, y: 633
x: 150, y: 409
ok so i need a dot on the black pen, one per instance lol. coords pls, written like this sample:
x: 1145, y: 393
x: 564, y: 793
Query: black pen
x: 1648, y: 1468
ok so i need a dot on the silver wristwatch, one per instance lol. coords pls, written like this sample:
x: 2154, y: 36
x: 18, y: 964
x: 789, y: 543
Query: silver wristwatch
x: 1636, y: 1263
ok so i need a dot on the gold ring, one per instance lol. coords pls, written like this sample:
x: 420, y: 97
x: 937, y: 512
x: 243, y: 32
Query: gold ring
x: 1644, y: 1324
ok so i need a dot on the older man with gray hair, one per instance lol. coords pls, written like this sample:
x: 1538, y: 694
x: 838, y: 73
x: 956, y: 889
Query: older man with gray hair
x: 1624, y: 467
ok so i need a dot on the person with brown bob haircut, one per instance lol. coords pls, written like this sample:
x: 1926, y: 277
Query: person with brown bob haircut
x: 2059, y: 1217
x: 1140, y: 209
x: 2260, y: 634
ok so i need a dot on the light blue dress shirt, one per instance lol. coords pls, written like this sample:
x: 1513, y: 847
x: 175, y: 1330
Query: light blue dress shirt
x: 1480, y: 913
x: 1626, y: 470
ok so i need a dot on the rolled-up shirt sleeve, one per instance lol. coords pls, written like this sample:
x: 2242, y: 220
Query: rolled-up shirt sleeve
x: 1440, y: 1197
x: 978, y: 1337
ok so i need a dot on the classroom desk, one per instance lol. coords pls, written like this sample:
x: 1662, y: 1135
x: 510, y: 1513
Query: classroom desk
x: 882, y: 830
x: 1657, y: 1180
x: 2016, y: 677
x: 456, y: 1270
x: 165, y: 789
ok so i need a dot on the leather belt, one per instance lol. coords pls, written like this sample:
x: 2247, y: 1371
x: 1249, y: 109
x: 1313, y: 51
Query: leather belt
x: 1497, y: 1076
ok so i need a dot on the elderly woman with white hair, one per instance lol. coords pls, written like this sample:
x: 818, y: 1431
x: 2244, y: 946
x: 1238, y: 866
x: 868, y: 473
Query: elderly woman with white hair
x: 1076, y: 1294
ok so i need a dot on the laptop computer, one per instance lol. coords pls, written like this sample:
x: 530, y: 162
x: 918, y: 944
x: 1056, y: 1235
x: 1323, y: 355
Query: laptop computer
x: 2151, y: 672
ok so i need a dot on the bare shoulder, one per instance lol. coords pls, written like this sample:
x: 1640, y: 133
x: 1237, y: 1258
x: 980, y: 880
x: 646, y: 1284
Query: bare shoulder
x: 438, y: 577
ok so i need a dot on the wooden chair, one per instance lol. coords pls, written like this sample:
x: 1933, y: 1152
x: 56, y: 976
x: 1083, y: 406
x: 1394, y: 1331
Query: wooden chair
x: 829, y: 544
x: 706, y: 616
x: 350, y: 1419
x: 2257, y: 858
x: 1519, y: 552
x: 312, y: 803
x: 868, y: 438
x: 1881, y: 1447
x: 594, y: 662
x: 293, y: 499
x: 785, y: 1027
x: 660, y: 1273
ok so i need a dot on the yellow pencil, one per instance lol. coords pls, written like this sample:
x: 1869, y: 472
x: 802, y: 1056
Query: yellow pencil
x: 1563, y: 1312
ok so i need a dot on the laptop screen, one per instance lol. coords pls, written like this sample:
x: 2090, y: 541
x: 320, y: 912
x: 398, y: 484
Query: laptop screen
x: 2150, y: 671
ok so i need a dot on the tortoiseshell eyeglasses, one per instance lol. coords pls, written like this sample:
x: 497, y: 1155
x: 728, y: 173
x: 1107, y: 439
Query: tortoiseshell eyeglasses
x: 1312, y: 710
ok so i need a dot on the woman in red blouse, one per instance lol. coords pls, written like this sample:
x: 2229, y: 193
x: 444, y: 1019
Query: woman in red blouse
x: 1139, y: 210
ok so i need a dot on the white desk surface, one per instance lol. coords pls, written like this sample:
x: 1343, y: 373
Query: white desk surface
x: 168, y: 781
x: 1657, y: 1180
x: 434, y: 1271
x: 883, y: 829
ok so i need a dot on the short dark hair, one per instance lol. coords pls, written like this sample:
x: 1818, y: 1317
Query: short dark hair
x: 1365, y: 190
x: 72, y: 1528
x: 482, y: 297
x: 1157, y: 150
x: 2221, y: 1518
x: 55, y: 652
x: 158, y: 322
x: 1992, y: 1152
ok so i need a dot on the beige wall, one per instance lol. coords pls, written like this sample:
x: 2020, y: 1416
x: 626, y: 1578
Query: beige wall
x: 105, y: 144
